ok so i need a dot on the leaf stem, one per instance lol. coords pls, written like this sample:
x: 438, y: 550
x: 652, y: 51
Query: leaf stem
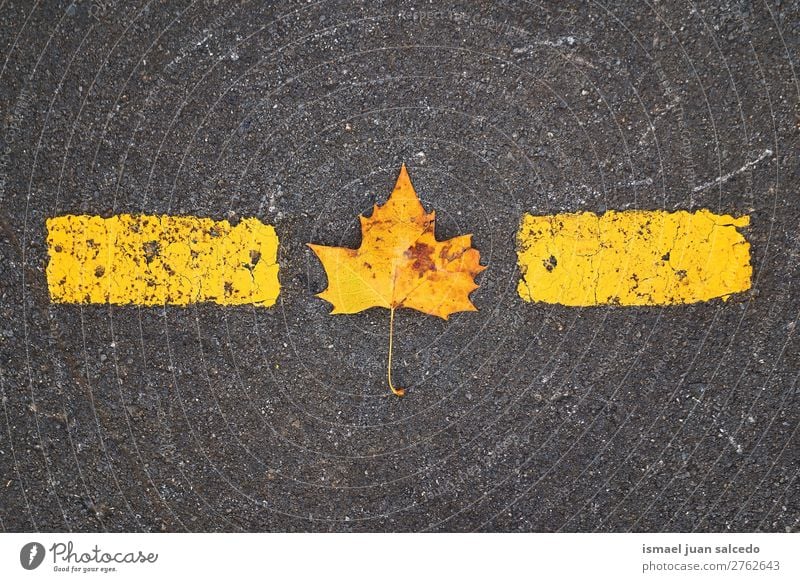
x: 395, y: 391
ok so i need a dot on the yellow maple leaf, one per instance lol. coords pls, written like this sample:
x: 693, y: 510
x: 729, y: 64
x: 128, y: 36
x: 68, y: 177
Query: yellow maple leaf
x: 401, y: 264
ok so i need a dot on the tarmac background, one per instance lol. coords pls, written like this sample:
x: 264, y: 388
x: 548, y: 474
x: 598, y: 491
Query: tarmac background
x: 519, y: 417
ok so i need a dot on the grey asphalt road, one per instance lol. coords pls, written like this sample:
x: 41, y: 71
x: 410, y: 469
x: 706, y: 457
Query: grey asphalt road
x: 519, y: 417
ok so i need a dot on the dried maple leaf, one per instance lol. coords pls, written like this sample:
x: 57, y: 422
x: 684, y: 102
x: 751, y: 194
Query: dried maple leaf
x: 401, y: 264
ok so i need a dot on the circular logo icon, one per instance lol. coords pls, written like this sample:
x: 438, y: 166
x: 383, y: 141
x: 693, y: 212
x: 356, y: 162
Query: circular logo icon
x: 31, y: 555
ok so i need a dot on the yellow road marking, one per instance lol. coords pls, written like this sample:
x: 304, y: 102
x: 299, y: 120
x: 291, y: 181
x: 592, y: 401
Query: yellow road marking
x: 161, y: 260
x: 633, y: 257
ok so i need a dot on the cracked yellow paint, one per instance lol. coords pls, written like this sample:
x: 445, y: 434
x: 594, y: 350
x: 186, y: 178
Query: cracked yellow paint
x: 161, y: 260
x: 635, y: 257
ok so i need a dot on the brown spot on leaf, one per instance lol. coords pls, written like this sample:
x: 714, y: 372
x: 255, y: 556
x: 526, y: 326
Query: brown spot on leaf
x: 421, y: 253
x: 448, y: 254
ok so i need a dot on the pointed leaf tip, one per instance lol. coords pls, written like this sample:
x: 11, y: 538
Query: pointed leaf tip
x: 403, y: 177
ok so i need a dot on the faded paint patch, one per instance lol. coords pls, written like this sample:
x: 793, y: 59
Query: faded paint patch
x: 161, y: 260
x: 633, y: 257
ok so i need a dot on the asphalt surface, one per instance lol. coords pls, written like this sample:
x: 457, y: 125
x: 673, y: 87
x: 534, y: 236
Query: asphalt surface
x: 519, y: 417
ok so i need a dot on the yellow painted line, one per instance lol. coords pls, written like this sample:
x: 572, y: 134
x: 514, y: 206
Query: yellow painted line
x: 161, y: 260
x: 633, y: 257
